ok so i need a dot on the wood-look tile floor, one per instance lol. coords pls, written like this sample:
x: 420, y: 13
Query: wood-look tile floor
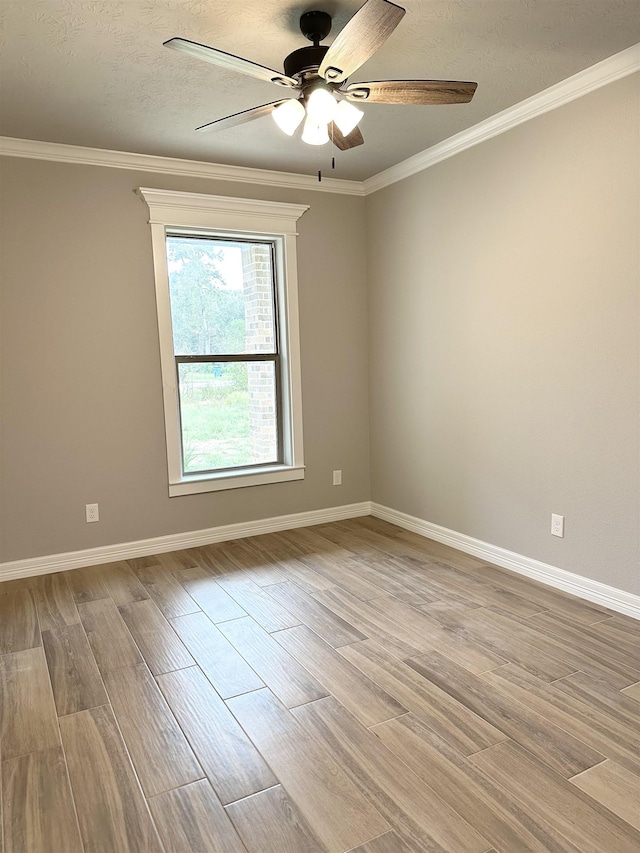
x: 346, y: 687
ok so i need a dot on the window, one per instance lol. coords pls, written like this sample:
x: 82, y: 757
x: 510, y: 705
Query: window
x: 226, y: 294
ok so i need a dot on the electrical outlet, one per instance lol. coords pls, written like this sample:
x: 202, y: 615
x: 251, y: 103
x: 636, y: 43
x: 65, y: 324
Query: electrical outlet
x: 92, y: 512
x: 337, y: 478
x: 557, y: 525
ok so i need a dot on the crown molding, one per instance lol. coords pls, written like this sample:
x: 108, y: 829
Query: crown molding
x: 608, y: 71
x: 57, y: 152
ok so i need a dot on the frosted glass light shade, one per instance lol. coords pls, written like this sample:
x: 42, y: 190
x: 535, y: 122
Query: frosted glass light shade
x: 314, y: 134
x: 347, y: 117
x: 321, y: 106
x: 288, y: 116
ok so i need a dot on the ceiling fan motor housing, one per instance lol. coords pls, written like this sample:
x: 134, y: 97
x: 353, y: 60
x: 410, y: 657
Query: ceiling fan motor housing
x: 304, y: 63
x: 304, y: 59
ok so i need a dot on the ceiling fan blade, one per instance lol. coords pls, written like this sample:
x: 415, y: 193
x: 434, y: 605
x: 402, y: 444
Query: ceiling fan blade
x: 363, y: 34
x: 228, y: 60
x: 241, y: 118
x: 342, y: 142
x: 412, y: 92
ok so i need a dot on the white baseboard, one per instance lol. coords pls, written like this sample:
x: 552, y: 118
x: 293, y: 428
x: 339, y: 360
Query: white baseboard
x: 598, y: 593
x: 176, y: 542
x: 594, y: 591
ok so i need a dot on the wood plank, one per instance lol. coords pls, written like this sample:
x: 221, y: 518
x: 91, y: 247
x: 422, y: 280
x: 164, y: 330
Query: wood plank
x: 192, y: 573
x: 74, y: 675
x: 568, y: 810
x: 492, y: 811
x: 111, y: 809
x: 467, y: 653
x: 434, y: 550
x: 549, y: 599
x: 527, y: 631
x: 457, y: 572
x: 18, y: 621
x: 466, y: 583
x: 615, y: 787
x: 364, y: 698
x: 210, y: 596
x: 157, y: 641
x: 387, y: 843
x: 401, y: 584
x: 175, y: 560
x: 613, y: 632
x: 87, y: 584
x: 316, y: 548
x: 269, y: 822
x: 172, y: 599
x: 331, y: 804
x: 304, y: 576
x: 27, y: 714
x: 150, y: 561
x: 192, y: 819
x: 233, y: 765
x: 225, y: 668
x: 293, y: 569
x: 38, y: 810
x: 290, y: 681
x: 258, y: 604
x: 444, y: 610
x: 54, y: 601
x: 112, y: 644
x: 587, y: 639
x: 123, y: 586
x: 633, y: 691
x: 600, y: 696
x: 453, y: 721
x: 475, y: 589
x: 160, y: 753
x: 559, y: 749
x: 287, y: 554
x: 332, y: 629
x: 432, y: 579
x: 480, y: 626
x: 7, y: 586
x: 238, y: 558
x: 370, y: 622
x: 626, y: 623
x: 579, y: 718
x: 342, y: 544
x: 338, y: 571
x: 421, y: 818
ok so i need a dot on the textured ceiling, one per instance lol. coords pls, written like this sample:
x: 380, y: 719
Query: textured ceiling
x: 94, y: 72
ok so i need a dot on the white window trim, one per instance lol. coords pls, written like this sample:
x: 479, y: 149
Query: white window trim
x: 231, y: 217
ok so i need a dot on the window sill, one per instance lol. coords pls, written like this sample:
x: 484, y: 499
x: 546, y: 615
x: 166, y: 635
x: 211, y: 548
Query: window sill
x: 198, y: 483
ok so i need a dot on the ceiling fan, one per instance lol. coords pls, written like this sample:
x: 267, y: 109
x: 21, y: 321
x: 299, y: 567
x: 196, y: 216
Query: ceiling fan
x: 317, y: 74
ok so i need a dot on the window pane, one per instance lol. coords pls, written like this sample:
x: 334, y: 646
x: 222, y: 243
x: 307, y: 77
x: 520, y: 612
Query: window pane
x: 228, y: 412
x: 221, y: 296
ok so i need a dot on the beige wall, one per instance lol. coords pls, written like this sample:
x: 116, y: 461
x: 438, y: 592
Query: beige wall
x: 504, y: 335
x: 81, y: 403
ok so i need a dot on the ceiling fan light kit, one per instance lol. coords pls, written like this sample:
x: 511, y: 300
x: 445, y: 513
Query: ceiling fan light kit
x: 321, y: 106
x: 319, y: 73
x: 347, y: 117
x: 315, y: 133
x: 289, y: 115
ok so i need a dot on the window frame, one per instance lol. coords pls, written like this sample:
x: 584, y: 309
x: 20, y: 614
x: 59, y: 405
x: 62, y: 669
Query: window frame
x: 195, y: 214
